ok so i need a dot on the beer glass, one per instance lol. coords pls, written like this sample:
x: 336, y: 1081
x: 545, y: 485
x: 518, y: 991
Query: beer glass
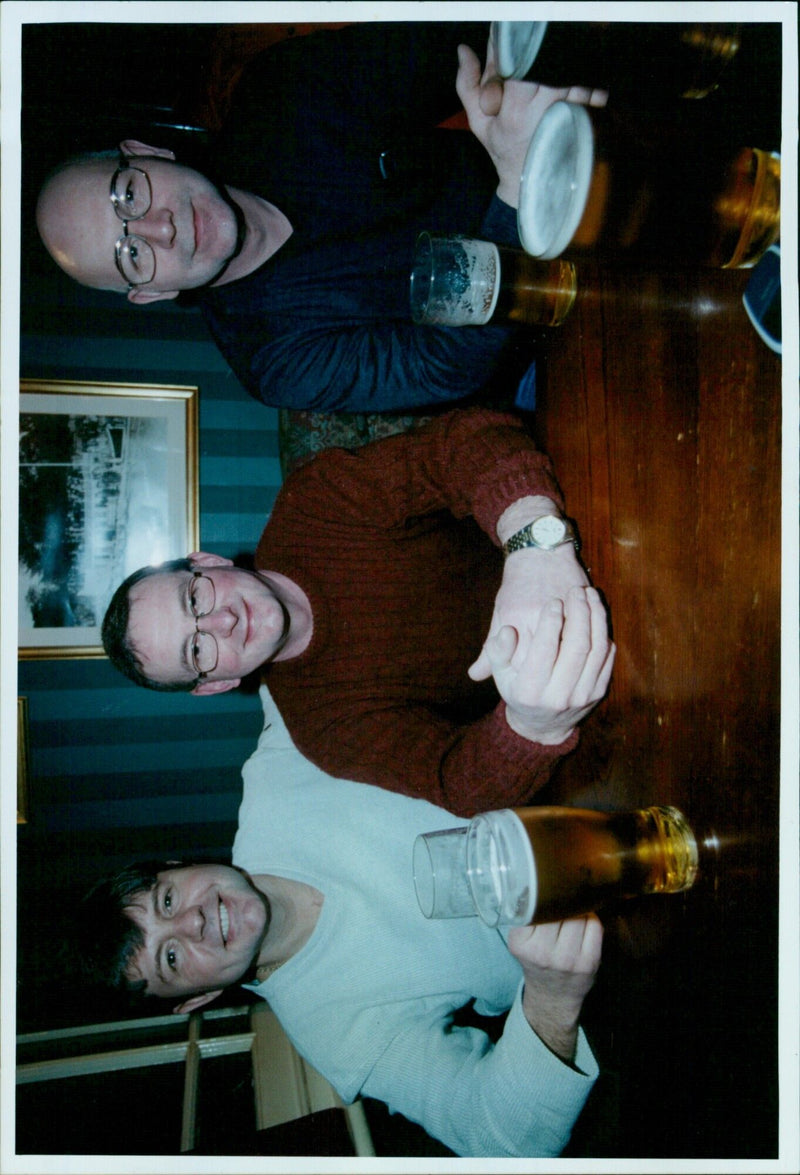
x: 673, y: 201
x: 442, y: 885
x: 649, y: 63
x: 556, y: 180
x: 460, y: 281
x: 544, y: 864
x: 630, y: 196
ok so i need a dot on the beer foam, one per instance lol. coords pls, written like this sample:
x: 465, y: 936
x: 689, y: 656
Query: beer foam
x: 516, y: 44
x: 555, y: 180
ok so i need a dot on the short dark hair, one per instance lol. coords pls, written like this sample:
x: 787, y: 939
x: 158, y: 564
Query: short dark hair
x: 105, y: 937
x: 114, y: 631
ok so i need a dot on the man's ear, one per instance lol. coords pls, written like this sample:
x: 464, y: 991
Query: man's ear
x: 196, y: 1001
x: 134, y: 147
x: 141, y: 295
x: 206, y: 559
x: 215, y: 687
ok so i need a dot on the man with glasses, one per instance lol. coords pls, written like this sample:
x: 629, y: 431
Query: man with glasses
x: 419, y: 609
x: 131, y: 194
x: 173, y: 628
x: 186, y: 237
x: 300, y: 258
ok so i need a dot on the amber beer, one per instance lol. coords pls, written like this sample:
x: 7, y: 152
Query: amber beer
x: 530, y: 865
x: 648, y: 63
x: 676, y: 202
x: 747, y: 209
x: 539, y: 293
x: 461, y: 281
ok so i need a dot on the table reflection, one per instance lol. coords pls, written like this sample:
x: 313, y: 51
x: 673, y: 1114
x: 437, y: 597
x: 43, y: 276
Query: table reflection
x: 661, y: 409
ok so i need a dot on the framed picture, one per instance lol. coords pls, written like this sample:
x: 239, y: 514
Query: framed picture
x: 108, y: 483
x: 23, y: 788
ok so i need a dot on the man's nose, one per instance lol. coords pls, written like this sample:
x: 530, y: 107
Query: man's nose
x: 220, y: 622
x: 156, y: 227
x: 191, y: 923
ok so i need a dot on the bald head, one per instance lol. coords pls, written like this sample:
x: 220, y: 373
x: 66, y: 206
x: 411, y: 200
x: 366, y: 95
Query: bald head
x: 190, y: 230
x: 75, y: 219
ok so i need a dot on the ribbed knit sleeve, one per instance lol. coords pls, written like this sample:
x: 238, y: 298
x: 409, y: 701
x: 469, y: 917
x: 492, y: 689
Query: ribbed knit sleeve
x: 510, y: 1100
x: 466, y: 769
x: 470, y: 462
x: 401, y: 581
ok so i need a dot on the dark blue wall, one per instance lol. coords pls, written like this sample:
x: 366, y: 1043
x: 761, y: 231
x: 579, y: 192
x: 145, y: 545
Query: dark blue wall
x: 117, y: 771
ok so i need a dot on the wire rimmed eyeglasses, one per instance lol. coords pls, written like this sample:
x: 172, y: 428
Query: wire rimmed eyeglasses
x: 204, y: 651
x: 131, y: 195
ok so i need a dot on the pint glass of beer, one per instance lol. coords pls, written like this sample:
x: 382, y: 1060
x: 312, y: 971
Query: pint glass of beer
x: 459, y: 281
x: 556, y: 179
x: 668, y: 200
x: 576, y: 860
x: 649, y: 63
x: 544, y: 864
x: 594, y: 183
x: 440, y: 874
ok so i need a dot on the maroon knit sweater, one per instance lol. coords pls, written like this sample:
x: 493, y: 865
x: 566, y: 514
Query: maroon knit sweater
x: 395, y: 545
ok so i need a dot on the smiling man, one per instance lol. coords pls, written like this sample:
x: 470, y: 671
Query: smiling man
x: 418, y: 608
x: 199, y: 927
x: 330, y: 164
x: 249, y: 619
x: 318, y: 915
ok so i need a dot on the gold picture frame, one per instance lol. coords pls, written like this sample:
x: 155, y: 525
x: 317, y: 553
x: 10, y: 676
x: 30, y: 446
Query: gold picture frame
x: 108, y: 483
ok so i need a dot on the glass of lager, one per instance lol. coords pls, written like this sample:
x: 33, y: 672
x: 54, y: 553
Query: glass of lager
x: 648, y: 63
x: 594, y: 185
x: 544, y: 864
x: 460, y: 281
x: 440, y: 874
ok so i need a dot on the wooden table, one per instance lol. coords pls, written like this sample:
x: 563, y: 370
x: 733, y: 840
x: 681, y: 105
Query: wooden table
x: 662, y: 412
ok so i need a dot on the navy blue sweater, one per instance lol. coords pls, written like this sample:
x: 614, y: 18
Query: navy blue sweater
x: 338, y: 130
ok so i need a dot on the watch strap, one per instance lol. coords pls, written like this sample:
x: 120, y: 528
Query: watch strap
x: 524, y: 538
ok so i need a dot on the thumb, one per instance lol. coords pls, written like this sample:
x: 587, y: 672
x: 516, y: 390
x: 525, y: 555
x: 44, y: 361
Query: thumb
x: 496, y: 653
x: 482, y: 668
x: 468, y: 78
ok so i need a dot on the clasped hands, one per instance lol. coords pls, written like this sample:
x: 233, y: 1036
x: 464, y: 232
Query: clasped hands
x: 548, y: 647
x: 503, y: 115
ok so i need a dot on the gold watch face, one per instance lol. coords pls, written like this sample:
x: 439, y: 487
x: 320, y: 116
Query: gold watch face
x: 549, y: 531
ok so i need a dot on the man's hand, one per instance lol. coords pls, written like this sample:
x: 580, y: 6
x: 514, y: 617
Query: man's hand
x: 560, y: 962
x: 491, y: 95
x: 548, y: 647
x: 504, y: 115
x: 531, y: 580
x: 562, y: 672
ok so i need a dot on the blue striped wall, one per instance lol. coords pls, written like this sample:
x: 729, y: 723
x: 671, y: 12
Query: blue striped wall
x: 117, y: 770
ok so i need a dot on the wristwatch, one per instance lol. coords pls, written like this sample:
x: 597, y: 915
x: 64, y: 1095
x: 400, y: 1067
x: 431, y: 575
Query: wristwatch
x: 546, y: 532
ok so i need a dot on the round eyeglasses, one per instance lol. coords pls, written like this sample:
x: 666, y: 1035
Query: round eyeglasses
x: 131, y: 195
x: 202, y: 600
